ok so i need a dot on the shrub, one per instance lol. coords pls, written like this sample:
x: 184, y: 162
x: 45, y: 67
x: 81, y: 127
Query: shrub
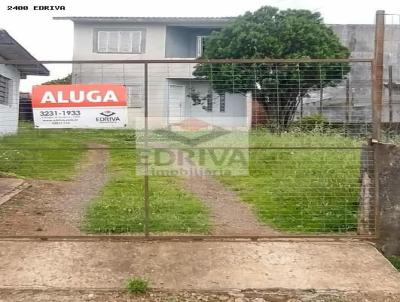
x: 311, y: 122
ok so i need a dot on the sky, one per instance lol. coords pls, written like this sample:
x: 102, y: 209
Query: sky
x: 48, y: 39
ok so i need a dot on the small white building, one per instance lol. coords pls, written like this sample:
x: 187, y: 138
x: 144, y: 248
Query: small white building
x: 10, y: 76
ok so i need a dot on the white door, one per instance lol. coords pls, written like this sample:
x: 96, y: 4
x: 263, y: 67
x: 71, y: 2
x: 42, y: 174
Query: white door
x: 176, y: 103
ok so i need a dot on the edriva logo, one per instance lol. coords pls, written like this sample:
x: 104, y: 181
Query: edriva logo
x: 107, y: 117
x: 107, y: 113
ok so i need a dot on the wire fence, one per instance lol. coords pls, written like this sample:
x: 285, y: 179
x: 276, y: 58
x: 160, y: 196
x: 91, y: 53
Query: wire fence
x: 235, y: 148
x: 391, y: 78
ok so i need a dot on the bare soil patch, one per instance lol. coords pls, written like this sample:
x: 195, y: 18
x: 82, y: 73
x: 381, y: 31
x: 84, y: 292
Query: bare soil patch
x: 55, y: 207
x: 229, y: 215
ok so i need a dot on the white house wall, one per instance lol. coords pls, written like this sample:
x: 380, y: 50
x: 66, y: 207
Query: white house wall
x: 83, y: 41
x: 9, y: 113
x: 235, y: 114
x: 129, y: 74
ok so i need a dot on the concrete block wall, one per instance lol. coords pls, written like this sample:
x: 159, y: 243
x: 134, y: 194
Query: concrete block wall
x: 359, y: 38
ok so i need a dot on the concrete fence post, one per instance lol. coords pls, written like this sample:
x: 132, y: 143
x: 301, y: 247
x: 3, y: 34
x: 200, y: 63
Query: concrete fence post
x: 387, y: 156
x: 366, y: 208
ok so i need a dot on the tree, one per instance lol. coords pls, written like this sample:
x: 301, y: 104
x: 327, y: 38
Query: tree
x: 65, y: 80
x: 269, y: 33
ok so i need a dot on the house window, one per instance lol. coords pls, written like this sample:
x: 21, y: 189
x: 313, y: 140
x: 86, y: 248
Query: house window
x: 200, y: 46
x: 222, y: 102
x: 135, y: 96
x: 209, y: 102
x: 4, y: 90
x: 119, y: 41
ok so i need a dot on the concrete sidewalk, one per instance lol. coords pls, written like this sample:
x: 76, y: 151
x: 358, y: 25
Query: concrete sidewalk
x: 340, y: 266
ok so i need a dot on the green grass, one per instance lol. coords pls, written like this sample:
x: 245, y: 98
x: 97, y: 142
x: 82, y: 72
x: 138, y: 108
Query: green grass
x: 29, y: 154
x: 137, y: 285
x: 306, y: 190
x: 295, y: 190
x: 120, y: 206
x: 395, y: 260
x: 56, y: 155
x: 52, y: 154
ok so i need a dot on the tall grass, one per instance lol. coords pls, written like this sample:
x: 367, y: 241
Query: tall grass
x: 302, y: 190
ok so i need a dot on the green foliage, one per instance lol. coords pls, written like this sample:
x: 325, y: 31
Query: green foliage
x: 395, y: 260
x: 314, y: 120
x: 311, y: 122
x: 274, y: 34
x: 137, y: 285
x: 65, y: 80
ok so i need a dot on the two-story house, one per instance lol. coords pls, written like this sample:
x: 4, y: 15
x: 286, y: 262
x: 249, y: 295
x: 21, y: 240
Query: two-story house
x: 171, y: 85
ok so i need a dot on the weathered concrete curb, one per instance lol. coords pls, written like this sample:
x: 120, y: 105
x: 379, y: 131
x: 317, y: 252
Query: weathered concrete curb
x: 277, y: 295
x: 213, y: 266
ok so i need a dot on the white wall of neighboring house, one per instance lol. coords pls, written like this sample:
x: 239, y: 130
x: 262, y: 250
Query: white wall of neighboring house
x: 9, y: 112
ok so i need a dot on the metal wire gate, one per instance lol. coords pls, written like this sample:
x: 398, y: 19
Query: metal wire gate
x: 222, y: 149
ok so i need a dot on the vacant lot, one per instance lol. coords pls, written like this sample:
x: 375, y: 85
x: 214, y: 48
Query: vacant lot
x: 296, y: 190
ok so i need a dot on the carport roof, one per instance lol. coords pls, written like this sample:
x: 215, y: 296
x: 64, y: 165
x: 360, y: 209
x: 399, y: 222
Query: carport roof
x: 10, y: 49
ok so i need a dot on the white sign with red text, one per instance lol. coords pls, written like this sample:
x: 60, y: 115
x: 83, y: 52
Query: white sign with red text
x: 79, y: 106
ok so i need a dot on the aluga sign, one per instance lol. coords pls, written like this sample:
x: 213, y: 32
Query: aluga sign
x: 79, y: 106
x: 78, y: 97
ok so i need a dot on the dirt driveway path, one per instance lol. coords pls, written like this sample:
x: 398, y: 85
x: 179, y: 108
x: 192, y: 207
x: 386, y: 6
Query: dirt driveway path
x: 55, y: 207
x: 229, y: 215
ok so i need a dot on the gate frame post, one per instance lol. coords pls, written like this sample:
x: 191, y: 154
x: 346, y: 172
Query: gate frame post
x: 146, y: 163
x: 377, y: 99
x: 377, y: 75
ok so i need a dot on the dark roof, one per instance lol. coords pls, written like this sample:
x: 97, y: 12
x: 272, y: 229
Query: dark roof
x: 12, y: 50
x: 164, y: 20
